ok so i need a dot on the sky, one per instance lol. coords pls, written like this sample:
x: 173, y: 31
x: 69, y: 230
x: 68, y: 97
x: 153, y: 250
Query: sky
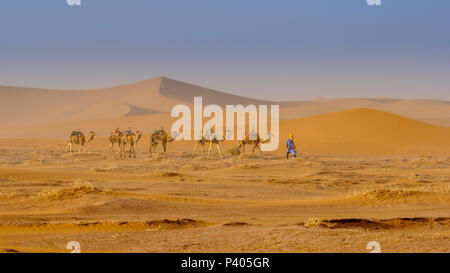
x: 279, y: 50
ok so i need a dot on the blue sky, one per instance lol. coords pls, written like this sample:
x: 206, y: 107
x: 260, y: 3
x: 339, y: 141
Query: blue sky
x: 286, y: 49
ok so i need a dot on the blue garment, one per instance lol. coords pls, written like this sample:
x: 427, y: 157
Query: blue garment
x: 290, y: 147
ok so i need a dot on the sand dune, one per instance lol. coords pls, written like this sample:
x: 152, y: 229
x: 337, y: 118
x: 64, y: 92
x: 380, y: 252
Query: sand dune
x: 102, y: 127
x: 431, y: 111
x: 367, y: 131
x: 185, y: 92
x: 111, y: 109
x: 38, y: 106
x: 418, y: 108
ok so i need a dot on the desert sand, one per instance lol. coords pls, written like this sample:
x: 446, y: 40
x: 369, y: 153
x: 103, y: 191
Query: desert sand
x: 51, y: 109
x: 368, y: 170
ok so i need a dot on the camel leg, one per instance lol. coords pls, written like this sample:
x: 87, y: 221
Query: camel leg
x: 195, y: 148
x: 124, y: 151
x: 164, y: 144
x: 209, y: 150
x: 69, y: 147
x: 259, y: 148
x: 254, y: 147
x: 133, y: 150
x: 218, y: 149
x: 203, y: 149
x: 120, y: 152
x: 243, y: 148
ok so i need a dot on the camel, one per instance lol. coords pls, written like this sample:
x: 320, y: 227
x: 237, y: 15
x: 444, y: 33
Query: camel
x: 79, y: 139
x: 122, y: 139
x: 211, y: 138
x: 162, y: 137
x: 115, y: 139
x: 255, y: 142
x: 130, y: 139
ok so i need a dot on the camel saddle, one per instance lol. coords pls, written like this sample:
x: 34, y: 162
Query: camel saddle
x: 158, y: 132
x: 75, y: 133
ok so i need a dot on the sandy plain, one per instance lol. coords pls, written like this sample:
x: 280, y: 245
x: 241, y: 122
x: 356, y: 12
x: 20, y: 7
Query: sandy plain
x: 368, y: 170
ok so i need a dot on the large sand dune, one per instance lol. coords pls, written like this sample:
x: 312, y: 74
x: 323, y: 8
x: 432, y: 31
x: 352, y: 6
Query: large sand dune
x: 38, y: 106
x: 367, y: 131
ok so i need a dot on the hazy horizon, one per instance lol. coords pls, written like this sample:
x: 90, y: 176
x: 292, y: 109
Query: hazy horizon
x: 224, y: 91
x: 284, y: 50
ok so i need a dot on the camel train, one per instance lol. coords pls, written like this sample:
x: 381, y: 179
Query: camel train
x: 130, y: 138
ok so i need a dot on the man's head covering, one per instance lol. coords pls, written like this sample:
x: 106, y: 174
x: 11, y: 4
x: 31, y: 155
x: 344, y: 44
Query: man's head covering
x: 291, y: 137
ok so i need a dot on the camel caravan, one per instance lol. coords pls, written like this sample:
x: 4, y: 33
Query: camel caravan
x: 127, y: 142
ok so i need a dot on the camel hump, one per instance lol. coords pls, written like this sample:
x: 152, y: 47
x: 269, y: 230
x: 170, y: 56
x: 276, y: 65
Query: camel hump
x: 76, y: 133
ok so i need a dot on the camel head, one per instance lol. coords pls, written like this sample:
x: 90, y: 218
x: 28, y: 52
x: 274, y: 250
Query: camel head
x: 91, y: 136
x: 170, y: 138
x: 138, y: 135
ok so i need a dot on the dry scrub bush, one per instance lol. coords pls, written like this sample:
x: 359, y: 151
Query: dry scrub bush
x: 315, y: 222
x: 77, y: 189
